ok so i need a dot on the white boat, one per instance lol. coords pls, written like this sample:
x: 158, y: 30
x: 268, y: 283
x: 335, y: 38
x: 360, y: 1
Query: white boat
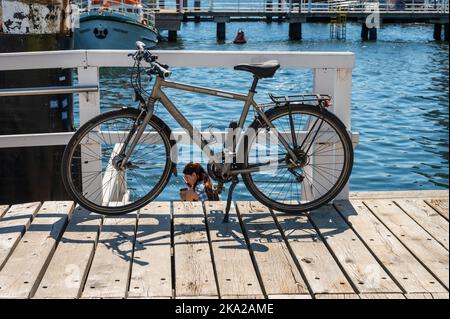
x: 115, y: 24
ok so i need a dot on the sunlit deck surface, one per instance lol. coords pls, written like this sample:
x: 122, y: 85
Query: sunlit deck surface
x: 376, y: 245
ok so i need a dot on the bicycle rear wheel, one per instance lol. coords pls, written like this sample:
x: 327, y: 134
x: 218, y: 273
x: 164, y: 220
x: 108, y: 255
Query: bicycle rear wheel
x: 90, y: 172
x: 325, y: 159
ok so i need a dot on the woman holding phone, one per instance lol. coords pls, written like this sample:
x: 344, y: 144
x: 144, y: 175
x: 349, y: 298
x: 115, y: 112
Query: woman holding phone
x: 199, y: 185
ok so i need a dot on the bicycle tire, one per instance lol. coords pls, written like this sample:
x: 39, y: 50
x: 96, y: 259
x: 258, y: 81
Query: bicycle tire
x: 334, y: 122
x: 68, y: 161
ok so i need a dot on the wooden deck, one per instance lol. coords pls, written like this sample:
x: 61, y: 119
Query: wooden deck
x: 377, y: 245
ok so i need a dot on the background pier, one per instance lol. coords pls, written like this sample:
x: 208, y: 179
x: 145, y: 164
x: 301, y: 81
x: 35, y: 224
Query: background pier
x: 169, y: 14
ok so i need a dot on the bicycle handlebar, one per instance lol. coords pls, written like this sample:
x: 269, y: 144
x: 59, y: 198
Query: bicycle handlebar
x: 162, y: 70
x: 144, y: 54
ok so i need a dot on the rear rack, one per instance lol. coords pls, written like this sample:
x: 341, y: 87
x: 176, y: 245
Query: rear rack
x: 302, y: 98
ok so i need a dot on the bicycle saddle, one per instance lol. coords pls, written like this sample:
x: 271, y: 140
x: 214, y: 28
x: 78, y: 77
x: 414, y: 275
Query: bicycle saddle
x: 260, y: 70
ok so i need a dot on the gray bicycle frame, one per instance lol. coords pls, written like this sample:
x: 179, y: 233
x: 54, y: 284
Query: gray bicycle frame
x: 196, y: 136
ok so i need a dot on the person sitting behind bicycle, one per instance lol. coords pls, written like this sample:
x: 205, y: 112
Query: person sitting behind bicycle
x: 199, y: 185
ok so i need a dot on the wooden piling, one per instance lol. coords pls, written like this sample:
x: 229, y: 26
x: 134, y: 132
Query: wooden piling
x: 373, y: 34
x: 364, y: 32
x: 295, y: 31
x: 221, y: 31
x: 172, y: 36
x: 437, y: 33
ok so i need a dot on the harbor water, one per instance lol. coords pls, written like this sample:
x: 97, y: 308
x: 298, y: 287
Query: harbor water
x: 400, y: 98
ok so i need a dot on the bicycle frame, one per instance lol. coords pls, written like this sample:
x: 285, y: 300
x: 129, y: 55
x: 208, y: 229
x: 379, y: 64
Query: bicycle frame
x: 158, y: 95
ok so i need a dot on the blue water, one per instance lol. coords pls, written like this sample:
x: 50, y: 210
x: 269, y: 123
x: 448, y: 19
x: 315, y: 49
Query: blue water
x: 399, y: 103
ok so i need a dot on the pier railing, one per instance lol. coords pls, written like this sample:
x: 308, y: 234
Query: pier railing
x: 304, y: 6
x: 332, y: 74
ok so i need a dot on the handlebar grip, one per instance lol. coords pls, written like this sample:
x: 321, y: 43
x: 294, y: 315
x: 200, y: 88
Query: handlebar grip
x: 163, y: 72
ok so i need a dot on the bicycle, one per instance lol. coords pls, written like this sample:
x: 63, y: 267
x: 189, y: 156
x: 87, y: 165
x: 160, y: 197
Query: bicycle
x: 130, y: 154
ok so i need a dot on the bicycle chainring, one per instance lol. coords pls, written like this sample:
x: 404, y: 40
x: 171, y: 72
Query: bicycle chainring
x: 215, y: 172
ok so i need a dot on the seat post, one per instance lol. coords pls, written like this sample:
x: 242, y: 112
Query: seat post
x: 254, y: 84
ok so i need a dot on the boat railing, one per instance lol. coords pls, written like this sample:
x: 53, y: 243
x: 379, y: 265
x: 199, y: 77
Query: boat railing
x: 331, y: 71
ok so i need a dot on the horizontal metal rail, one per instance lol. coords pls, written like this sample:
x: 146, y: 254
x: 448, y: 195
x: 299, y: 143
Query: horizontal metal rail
x: 48, y: 90
x: 183, y: 138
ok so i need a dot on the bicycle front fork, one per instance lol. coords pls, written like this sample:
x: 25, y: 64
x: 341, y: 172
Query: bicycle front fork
x: 148, y: 112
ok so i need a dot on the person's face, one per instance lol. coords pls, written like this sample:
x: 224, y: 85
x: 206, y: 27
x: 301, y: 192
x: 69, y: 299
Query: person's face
x: 190, y: 179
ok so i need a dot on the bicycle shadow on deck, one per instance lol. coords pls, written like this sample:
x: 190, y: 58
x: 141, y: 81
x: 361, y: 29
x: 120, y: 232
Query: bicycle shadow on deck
x: 252, y: 227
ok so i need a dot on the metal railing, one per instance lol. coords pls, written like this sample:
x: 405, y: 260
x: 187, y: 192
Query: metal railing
x: 305, y: 6
x: 332, y: 75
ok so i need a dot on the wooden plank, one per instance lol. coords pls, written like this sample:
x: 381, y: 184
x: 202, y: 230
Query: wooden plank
x: 110, y: 271
x: 194, y: 272
x: 68, y: 269
x: 381, y: 296
x: 277, y: 269
x: 27, y: 264
x: 440, y: 295
x: 428, y: 218
x: 356, y: 260
x: 440, y: 205
x: 290, y: 297
x: 236, y: 274
x: 197, y: 297
x: 336, y: 296
x: 399, y: 262
x: 414, y: 237
x: 400, y: 194
x: 419, y: 296
x: 321, y: 270
x: 13, y: 225
x: 151, y: 274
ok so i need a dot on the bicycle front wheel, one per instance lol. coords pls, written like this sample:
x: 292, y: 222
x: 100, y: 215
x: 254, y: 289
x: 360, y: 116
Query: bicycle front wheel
x: 90, y: 170
x: 324, y: 158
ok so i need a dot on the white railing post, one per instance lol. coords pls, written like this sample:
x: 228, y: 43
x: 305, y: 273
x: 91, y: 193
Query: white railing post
x: 115, y: 182
x: 89, y: 104
x: 338, y: 84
